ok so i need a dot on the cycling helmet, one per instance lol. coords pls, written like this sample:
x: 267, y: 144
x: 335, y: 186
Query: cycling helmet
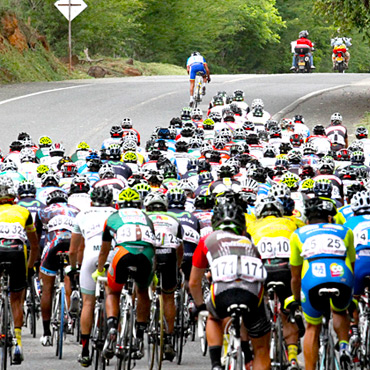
x: 9, y: 165
x: 357, y: 157
x: 236, y: 109
x: 238, y: 95
x: 248, y: 126
x: 361, y: 173
x: 188, y: 131
x: 249, y: 185
x: 169, y: 171
x: 205, y: 147
x: 215, y: 116
x: 195, y: 53
x: 16, y: 146
x: 7, y: 190
x: 285, y: 122
x: 185, y: 114
x: 56, y: 196
x: 298, y: 118
x: 233, y: 161
x: 354, y: 188
x: 195, y: 143
x: 196, y: 114
x: 294, y: 156
x: 50, y: 179
x: 203, y: 165
x: 343, y: 155
x: 79, y: 184
x: 226, y: 133
x: 257, y: 173
x: 153, y: 177
x: 252, y: 139
x: 219, y: 142
x: 208, y: 124
x: 26, y: 188
x: 296, y: 140
x: 217, y: 101
x: 199, y: 133
x: 164, y: 133
x: 361, y: 132
x: 282, y: 161
x: 239, y: 134
x: 307, y: 172
x: 257, y: 103
x: 27, y: 155
x: 280, y: 190
x: 303, y: 34
x: 69, y: 169
x: 156, y: 202
x: 229, y: 99
x: 291, y: 180
x: 319, y: 130
x: 83, y: 146
x: 306, y: 186
x: 114, y: 152
x: 106, y: 171
x: 45, y: 142
x: 269, y: 206
x: 360, y: 202
x: 236, y: 150
x: 336, y: 119
x: 309, y: 148
x: 323, y: 188
x: 94, y: 165
x: 204, y: 202
x: 129, y: 145
x: 228, y: 115
x: 126, y: 123
x: 57, y: 150
x: 130, y: 157
x: 205, y: 177
x: 143, y: 189
x: 116, y: 131
x: 214, y: 156
x: 186, y: 185
x: 228, y: 216
x: 284, y: 148
x: 319, y: 208
x: 129, y: 198
x: 225, y: 171
x: 275, y: 132
x: 181, y: 146
x: 192, y: 164
x: 269, y: 151
x: 41, y: 169
x: 101, y: 196
x: 176, y: 198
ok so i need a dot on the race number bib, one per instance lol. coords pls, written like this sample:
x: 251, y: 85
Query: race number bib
x: 252, y: 269
x: 361, y: 234
x: 323, y: 244
x: 167, y: 240
x: 61, y: 222
x: 93, y: 230
x: 133, y: 233
x: 12, y: 231
x: 190, y: 235
x: 224, y: 268
x: 270, y: 248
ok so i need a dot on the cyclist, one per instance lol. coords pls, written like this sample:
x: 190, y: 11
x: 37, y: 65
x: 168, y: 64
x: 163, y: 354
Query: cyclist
x: 16, y: 227
x: 88, y: 229
x: 169, y: 255
x: 324, y: 255
x: 57, y: 219
x: 133, y: 233
x: 228, y: 244
x: 271, y: 232
x: 196, y: 63
x: 78, y: 194
x: 336, y: 131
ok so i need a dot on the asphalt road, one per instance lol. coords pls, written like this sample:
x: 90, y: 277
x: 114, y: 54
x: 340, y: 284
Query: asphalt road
x: 73, y: 111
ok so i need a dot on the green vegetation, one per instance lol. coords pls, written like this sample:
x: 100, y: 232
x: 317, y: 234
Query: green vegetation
x: 366, y: 120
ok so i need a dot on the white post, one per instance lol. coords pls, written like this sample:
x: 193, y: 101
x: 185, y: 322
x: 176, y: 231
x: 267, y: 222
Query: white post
x: 70, y: 36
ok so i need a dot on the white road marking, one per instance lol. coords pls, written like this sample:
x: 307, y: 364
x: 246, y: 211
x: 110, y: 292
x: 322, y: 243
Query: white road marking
x: 40, y: 93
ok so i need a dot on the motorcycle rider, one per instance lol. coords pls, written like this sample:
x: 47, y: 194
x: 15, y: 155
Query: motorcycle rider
x: 303, y: 40
x: 341, y: 44
x: 197, y: 63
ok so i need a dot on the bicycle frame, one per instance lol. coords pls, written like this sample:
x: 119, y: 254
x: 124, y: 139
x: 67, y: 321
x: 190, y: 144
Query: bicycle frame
x: 198, y: 85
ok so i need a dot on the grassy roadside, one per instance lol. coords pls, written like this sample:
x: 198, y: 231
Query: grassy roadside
x: 366, y: 120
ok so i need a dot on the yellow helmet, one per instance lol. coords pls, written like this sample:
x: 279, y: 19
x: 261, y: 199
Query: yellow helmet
x: 83, y: 146
x: 290, y: 179
x: 130, y: 157
x: 42, y: 169
x: 45, y: 141
x: 129, y: 198
x: 208, y: 122
x: 307, y: 185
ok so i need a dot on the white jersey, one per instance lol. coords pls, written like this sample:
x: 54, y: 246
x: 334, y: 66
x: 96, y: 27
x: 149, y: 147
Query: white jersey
x: 28, y: 170
x: 195, y: 59
x: 90, y: 224
x: 82, y: 201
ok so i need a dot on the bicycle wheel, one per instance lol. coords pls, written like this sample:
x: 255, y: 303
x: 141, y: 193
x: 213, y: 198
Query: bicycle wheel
x: 98, y: 337
x: 31, y: 309
x: 4, y: 333
x: 239, y: 362
x: 179, y: 337
x: 367, y: 347
x: 203, y: 337
x: 61, y: 327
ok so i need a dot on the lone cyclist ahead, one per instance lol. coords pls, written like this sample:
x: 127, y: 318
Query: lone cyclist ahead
x: 196, y: 63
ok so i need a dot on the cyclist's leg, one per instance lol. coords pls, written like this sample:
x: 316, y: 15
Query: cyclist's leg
x: 311, y: 346
x: 261, y: 352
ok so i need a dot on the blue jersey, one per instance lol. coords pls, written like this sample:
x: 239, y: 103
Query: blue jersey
x: 360, y: 225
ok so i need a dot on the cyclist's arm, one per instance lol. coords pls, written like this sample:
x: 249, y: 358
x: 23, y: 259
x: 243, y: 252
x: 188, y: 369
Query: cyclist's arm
x: 207, y: 70
x: 195, y: 284
x: 76, y: 240
x: 295, y: 265
x: 105, y: 248
x: 34, y: 247
x: 296, y: 281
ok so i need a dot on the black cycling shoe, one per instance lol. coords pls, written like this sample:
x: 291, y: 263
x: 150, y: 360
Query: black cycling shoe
x: 85, y: 361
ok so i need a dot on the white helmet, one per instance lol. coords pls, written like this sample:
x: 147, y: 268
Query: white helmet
x: 360, y: 202
x: 336, y: 119
x: 156, y: 197
x: 280, y: 190
x: 257, y: 103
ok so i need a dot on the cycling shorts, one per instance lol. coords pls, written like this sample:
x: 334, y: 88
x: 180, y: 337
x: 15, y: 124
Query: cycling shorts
x: 325, y: 273
x: 141, y: 258
x: 362, y: 269
x: 255, y: 320
x: 281, y: 274
x: 50, y: 260
x: 166, y: 264
x: 194, y: 68
x: 16, y: 254
x: 187, y: 259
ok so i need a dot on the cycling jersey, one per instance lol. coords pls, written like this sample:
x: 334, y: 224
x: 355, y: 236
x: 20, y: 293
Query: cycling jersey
x: 196, y: 64
x: 133, y: 234
x: 81, y: 201
x: 42, y: 193
x: 32, y: 204
x: 205, y: 221
x: 325, y: 252
x: 90, y: 223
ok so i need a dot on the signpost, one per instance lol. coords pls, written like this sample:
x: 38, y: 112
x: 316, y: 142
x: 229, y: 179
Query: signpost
x: 70, y: 9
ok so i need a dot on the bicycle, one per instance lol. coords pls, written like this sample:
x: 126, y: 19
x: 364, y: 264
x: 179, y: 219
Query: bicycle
x: 59, y: 315
x: 7, y: 335
x: 198, y: 89
x: 278, y: 351
x: 33, y: 308
x: 99, y: 328
x: 126, y: 336
x: 327, y: 356
x: 234, y: 355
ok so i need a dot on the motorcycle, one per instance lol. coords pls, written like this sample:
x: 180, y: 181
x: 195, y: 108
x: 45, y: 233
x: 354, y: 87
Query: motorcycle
x: 339, y: 61
x: 303, y: 64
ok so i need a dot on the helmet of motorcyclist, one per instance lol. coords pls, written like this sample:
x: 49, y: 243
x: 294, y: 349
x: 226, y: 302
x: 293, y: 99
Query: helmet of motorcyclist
x: 336, y: 119
x: 116, y: 131
x: 26, y: 188
x: 156, y: 201
x: 56, y: 196
x: 298, y: 118
x: 205, y: 177
x: 269, y: 206
x: 69, y: 169
x: 309, y: 148
x: 284, y: 148
x: 181, y: 146
x: 101, y: 196
x: 291, y: 180
x: 80, y: 184
x: 303, y: 34
x: 176, y: 198
x: 357, y: 157
x: 129, y: 198
x: 208, y: 124
x: 126, y: 123
x: 323, y: 188
x: 361, y: 132
x: 319, y: 130
x: 319, y: 208
x: 57, y: 150
x: 238, y: 95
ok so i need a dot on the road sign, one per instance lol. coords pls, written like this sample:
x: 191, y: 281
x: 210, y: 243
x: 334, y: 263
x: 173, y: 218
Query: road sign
x: 70, y: 8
